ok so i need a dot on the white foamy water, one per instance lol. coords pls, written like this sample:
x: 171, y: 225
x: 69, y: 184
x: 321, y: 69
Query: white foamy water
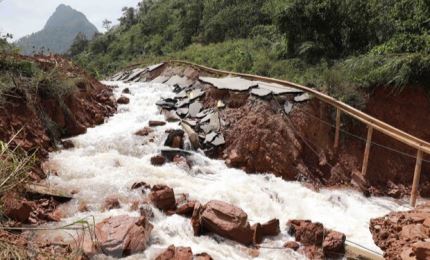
x: 109, y: 158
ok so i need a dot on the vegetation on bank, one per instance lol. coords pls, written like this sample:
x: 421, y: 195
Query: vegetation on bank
x: 340, y: 46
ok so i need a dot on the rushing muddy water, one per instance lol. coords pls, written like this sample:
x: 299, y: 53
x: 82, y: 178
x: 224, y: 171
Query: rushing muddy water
x: 108, y: 159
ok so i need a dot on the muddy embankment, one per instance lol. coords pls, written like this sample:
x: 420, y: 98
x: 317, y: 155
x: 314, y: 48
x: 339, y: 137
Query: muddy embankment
x: 260, y: 137
x: 36, y: 124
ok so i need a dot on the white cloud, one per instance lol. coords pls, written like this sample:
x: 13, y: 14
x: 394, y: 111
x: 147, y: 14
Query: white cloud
x: 23, y: 17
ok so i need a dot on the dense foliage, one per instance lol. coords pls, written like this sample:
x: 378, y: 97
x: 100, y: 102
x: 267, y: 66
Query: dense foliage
x: 337, y: 45
x: 59, y: 32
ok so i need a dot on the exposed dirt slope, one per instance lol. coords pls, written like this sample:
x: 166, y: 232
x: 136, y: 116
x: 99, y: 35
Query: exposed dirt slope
x: 258, y: 138
x: 40, y: 120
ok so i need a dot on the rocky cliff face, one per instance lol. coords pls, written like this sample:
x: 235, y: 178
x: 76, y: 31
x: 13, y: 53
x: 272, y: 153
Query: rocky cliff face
x: 59, y: 32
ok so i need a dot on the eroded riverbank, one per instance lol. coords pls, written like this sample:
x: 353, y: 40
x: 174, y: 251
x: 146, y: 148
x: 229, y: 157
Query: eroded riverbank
x: 108, y: 159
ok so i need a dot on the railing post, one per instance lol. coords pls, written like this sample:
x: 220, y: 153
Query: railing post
x: 336, y: 136
x: 417, y: 176
x: 367, y: 151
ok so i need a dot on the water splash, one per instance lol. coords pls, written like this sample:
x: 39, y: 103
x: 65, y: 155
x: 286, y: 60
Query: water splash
x: 109, y: 158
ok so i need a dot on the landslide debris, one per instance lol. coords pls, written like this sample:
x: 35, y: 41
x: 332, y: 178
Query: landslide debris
x: 46, y: 98
x: 261, y: 127
x: 403, y: 235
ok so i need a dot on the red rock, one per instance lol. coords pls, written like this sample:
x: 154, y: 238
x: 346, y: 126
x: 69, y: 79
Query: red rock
x: 334, y: 243
x: 111, y: 202
x: 226, y: 220
x: 413, y: 232
x: 398, y: 232
x: 144, y: 132
x: 292, y: 245
x: 257, y: 236
x: 154, y: 123
x: 270, y: 228
x: 186, y: 209
x: 123, y: 235
x: 306, y: 232
x: 195, y: 219
x: 158, y: 160
x: 176, y: 253
x: 163, y: 197
x: 421, y: 250
x: 123, y: 100
x: 17, y: 209
x: 175, y: 139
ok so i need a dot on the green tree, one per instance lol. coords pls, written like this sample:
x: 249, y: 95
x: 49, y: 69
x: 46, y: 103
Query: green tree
x: 80, y: 43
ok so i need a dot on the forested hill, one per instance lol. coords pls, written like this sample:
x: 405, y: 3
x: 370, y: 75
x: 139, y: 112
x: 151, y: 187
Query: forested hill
x: 324, y: 43
x: 59, y: 32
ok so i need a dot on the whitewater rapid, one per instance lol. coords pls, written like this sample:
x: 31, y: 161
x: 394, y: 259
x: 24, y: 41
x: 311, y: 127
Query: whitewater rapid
x: 109, y: 158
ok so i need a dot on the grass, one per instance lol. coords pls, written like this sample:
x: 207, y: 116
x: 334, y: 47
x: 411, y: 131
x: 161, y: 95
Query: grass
x: 14, y: 167
x: 11, y: 251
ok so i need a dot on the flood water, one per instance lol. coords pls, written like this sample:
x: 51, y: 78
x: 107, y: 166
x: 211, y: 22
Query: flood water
x: 109, y: 158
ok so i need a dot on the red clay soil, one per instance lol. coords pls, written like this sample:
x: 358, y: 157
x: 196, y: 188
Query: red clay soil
x: 403, y: 235
x: 259, y: 139
x: 86, y: 107
x: 409, y: 111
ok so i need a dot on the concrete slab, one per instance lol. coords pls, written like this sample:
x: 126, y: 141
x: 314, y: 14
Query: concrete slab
x: 154, y: 67
x: 230, y: 83
x: 302, y: 98
x: 278, y: 89
x: 195, y: 108
x: 135, y: 74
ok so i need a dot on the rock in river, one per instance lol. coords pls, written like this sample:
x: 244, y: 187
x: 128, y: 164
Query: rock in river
x: 123, y: 235
x: 123, y: 100
x: 163, y: 197
x: 223, y: 219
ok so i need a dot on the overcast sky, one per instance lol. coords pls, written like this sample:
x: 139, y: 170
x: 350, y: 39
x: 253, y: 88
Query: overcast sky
x: 22, y: 17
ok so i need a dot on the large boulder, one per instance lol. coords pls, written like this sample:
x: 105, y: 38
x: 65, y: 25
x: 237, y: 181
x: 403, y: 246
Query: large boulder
x: 226, y: 220
x: 123, y: 235
x: 318, y: 242
x: 334, y: 243
x: 163, y: 197
x: 306, y: 232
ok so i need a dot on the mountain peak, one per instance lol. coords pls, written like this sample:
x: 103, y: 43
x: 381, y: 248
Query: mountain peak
x: 59, y: 32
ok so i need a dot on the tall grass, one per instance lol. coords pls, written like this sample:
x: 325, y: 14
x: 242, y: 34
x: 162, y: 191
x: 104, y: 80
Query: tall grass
x: 14, y: 167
